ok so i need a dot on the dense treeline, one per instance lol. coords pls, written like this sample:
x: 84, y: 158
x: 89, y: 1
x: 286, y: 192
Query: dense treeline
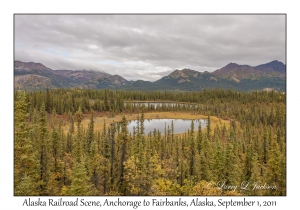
x: 69, y: 100
x: 51, y: 161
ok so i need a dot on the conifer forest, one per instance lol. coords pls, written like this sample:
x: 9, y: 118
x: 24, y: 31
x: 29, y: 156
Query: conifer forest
x: 56, y: 153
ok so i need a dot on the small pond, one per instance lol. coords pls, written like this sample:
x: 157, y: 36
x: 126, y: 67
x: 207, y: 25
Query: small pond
x: 155, y: 104
x: 180, y: 125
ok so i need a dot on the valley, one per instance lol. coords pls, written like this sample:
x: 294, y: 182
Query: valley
x: 150, y: 105
x: 84, y: 135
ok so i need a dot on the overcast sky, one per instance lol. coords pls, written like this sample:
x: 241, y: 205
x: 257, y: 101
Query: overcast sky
x: 148, y: 46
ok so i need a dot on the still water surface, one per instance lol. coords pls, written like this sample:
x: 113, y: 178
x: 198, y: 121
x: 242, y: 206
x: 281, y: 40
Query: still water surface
x: 180, y: 125
x: 155, y: 104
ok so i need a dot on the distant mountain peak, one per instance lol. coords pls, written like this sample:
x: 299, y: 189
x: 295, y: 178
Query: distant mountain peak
x: 29, y: 65
x: 275, y: 61
x: 275, y: 65
x: 234, y: 65
x: 184, y: 73
x: 238, y: 72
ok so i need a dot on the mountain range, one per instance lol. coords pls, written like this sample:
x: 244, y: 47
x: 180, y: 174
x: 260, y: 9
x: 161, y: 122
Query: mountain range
x: 35, y: 76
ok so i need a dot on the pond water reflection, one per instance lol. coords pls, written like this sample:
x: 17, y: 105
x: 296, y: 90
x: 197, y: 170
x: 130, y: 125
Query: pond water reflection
x: 180, y: 125
x: 160, y: 104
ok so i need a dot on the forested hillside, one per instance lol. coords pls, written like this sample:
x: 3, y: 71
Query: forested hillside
x: 54, y: 154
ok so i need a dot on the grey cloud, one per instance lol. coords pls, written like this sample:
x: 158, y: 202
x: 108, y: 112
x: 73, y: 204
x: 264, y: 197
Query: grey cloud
x: 148, y: 46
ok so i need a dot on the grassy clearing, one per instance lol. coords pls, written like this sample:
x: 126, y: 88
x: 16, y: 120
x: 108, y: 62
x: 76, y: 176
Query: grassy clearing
x: 99, y: 121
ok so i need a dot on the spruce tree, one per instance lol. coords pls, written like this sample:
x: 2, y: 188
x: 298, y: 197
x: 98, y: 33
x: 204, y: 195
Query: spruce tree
x: 124, y: 145
x: 43, y: 146
x: 81, y: 185
x: 90, y: 134
x: 78, y: 150
x: 26, y: 163
x: 208, y: 128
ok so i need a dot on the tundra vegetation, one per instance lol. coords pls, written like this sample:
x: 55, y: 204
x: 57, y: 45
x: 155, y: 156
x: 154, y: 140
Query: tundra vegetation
x: 59, y: 150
